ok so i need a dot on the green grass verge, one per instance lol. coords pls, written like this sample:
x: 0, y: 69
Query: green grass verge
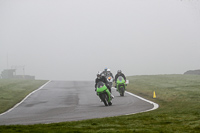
x: 178, y: 97
x: 13, y: 91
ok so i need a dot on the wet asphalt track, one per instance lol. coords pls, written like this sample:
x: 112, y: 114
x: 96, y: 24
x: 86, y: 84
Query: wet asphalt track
x: 60, y: 101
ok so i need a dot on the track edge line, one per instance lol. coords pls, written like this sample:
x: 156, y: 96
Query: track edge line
x: 25, y: 98
x: 154, y: 104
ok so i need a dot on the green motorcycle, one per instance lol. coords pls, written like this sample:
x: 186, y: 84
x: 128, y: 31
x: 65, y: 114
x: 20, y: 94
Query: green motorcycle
x: 104, y: 93
x: 121, y: 85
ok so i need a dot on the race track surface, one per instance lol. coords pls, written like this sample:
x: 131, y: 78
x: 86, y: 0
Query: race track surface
x: 60, y: 101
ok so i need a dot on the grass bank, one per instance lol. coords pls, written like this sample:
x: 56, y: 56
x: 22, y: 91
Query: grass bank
x: 13, y: 91
x: 178, y: 97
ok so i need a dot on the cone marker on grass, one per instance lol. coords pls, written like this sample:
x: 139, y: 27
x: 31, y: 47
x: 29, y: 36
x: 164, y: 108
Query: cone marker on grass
x: 154, y: 94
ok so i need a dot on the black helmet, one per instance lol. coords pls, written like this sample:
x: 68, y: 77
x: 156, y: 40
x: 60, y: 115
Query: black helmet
x: 106, y: 69
x: 119, y: 71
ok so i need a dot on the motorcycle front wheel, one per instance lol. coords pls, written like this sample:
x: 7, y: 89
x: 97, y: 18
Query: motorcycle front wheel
x: 122, y: 91
x: 104, y: 98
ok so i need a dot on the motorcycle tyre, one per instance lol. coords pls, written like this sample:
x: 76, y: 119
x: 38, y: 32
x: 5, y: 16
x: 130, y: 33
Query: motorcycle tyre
x: 110, y: 103
x: 122, y: 91
x: 104, y: 99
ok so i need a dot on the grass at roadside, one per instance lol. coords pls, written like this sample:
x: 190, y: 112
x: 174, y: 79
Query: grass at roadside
x: 178, y: 97
x: 13, y: 91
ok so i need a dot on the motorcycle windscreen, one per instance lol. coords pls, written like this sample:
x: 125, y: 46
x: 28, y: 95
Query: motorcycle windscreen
x: 121, y: 79
x: 101, y: 87
x: 108, y: 74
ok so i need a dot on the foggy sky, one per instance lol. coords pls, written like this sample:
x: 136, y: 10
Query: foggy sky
x: 74, y: 39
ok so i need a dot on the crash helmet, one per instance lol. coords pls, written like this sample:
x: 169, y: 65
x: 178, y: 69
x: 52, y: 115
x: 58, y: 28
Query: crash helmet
x: 119, y: 71
x: 103, y: 75
x: 108, y: 70
x: 105, y: 69
x: 99, y: 75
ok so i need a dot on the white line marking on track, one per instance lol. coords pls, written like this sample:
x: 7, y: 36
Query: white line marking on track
x: 25, y: 98
x: 155, y: 105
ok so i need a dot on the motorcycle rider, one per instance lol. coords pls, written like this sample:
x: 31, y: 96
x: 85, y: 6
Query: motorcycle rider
x: 105, y: 72
x: 99, y: 78
x: 102, y: 78
x: 119, y: 73
x: 109, y: 73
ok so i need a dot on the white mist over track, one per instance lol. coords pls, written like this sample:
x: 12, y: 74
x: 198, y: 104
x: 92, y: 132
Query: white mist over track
x: 72, y: 40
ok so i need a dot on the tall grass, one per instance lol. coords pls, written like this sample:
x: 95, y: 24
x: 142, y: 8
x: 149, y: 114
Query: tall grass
x: 178, y: 97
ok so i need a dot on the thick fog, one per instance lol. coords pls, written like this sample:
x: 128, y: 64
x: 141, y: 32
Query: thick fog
x: 74, y: 39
